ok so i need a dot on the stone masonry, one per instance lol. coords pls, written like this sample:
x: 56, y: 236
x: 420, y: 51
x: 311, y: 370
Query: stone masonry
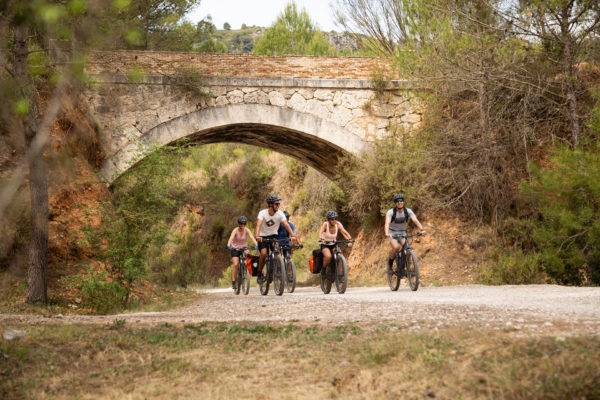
x: 313, y: 108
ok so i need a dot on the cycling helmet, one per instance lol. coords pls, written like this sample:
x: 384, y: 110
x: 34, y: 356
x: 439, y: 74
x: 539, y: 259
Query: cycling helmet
x: 398, y: 197
x: 242, y: 220
x: 331, y: 214
x: 273, y: 198
x: 287, y: 214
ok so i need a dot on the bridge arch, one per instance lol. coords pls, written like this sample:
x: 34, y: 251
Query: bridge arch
x: 310, y: 139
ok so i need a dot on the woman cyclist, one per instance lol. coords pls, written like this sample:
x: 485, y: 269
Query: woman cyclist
x: 328, y: 232
x: 237, y: 241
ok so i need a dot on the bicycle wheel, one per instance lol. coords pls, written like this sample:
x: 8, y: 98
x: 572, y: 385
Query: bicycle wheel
x: 245, y: 281
x: 393, y: 274
x: 341, y: 276
x: 412, y: 270
x: 325, y: 282
x: 290, y: 283
x: 264, y: 286
x: 279, y: 275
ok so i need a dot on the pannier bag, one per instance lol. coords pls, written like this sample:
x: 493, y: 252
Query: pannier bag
x: 252, y: 265
x: 316, y: 261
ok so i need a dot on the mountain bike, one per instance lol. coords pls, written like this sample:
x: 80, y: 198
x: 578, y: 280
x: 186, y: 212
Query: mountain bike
x: 290, y: 267
x: 276, y: 271
x: 242, y: 278
x: 337, y: 270
x: 405, y: 264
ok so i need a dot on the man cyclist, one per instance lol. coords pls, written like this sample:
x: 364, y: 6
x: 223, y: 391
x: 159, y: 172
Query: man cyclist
x: 267, y: 224
x: 282, y: 233
x: 396, y: 220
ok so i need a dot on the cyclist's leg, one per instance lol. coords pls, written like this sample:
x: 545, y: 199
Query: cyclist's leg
x: 234, y: 271
x: 394, y: 246
x: 326, y: 256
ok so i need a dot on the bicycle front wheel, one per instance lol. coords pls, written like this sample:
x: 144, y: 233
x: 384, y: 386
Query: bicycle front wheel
x: 412, y: 270
x: 245, y: 281
x: 279, y: 275
x: 325, y: 282
x: 393, y: 274
x: 264, y: 286
x: 290, y: 283
x: 341, y: 276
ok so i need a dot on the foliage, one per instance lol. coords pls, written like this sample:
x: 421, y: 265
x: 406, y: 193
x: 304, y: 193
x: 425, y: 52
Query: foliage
x: 567, y: 231
x: 293, y: 33
x: 144, y: 200
x: 513, y: 267
x: 393, y: 164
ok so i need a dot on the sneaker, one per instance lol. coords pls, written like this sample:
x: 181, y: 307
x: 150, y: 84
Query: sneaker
x: 233, y: 285
x: 259, y: 279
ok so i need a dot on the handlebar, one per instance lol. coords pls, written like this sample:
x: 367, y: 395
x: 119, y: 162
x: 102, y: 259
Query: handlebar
x: 287, y: 246
x: 343, y: 241
x: 406, y: 236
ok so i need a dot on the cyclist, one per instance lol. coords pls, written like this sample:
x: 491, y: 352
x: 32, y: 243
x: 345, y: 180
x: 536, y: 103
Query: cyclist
x: 328, y: 231
x: 396, y: 220
x: 237, y: 241
x: 282, y: 233
x: 267, y: 224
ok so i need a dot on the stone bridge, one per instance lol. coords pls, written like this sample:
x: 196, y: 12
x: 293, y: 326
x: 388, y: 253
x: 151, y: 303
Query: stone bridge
x: 310, y: 108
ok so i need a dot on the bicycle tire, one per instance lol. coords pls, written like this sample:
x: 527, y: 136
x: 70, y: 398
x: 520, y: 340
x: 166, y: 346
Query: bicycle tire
x: 412, y: 270
x: 325, y: 282
x: 341, y: 280
x: 393, y: 274
x: 264, y: 286
x: 279, y: 275
x: 245, y: 281
x: 290, y: 283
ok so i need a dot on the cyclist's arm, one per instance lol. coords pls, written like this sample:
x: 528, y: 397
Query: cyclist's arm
x: 418, y: 224
x: 386, y: 230
x: 345, y: 233
x: 257, y: 230
x: 290, y: 231
x: 231, y: 237
x: 321, y: 230
x: 251, y: 236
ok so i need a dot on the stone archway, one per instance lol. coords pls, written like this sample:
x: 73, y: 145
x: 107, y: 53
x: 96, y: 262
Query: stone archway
x: 310, y: 139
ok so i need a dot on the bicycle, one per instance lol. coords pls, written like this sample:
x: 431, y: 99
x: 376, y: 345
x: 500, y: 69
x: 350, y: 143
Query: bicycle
x: 290, y: 266
x: 276, y: 272
x: 337, y: 270
x: 404, y: 266
x: 242, y: 280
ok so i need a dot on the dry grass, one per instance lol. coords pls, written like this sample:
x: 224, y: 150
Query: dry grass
x: 218, y: 360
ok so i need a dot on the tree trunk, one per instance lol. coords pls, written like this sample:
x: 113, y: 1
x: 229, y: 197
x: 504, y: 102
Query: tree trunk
x: 568, y: 65
x: 38, y: 183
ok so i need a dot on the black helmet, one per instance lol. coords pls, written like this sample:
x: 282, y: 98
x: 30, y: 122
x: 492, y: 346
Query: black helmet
x: 287, y: 214
x: 331, y: 214
x: 242, y: 220
x: 273, y: 198
x: 398, y: 197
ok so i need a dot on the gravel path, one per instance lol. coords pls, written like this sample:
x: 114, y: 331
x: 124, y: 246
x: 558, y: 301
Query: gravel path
x: 529, y: 309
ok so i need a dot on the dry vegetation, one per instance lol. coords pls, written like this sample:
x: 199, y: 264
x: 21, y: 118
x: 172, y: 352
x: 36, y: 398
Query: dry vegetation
x: 217, y: 360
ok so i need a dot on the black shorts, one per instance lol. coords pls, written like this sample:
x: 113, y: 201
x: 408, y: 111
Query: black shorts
x: 262, y: 245
x: 236, y: 253
x: 331, y: 247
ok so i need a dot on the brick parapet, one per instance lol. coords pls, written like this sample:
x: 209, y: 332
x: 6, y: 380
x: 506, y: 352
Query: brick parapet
x: 235, y: 65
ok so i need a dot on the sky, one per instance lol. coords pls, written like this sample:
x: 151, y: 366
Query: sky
x: 259, y: 12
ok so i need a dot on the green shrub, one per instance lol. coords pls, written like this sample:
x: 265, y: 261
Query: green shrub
x: 99, y: 292
x: 512, y: 267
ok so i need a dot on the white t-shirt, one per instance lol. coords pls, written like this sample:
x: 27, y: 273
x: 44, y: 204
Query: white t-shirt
x: 270, y: 224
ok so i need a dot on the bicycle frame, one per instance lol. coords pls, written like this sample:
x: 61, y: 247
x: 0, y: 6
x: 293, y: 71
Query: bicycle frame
x: 406, y: 262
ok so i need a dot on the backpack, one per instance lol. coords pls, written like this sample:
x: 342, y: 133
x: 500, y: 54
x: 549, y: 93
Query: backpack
x: 316, y: 261
x: 405, y: 214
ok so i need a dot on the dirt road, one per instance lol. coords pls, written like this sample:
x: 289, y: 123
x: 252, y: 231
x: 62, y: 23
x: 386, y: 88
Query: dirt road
x: 530, y: 309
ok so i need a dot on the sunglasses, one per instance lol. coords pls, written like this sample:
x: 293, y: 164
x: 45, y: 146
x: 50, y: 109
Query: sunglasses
x: 242, y: 223
x: 276, y: 204
x: 331, y: 219
x: 400, y: 201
